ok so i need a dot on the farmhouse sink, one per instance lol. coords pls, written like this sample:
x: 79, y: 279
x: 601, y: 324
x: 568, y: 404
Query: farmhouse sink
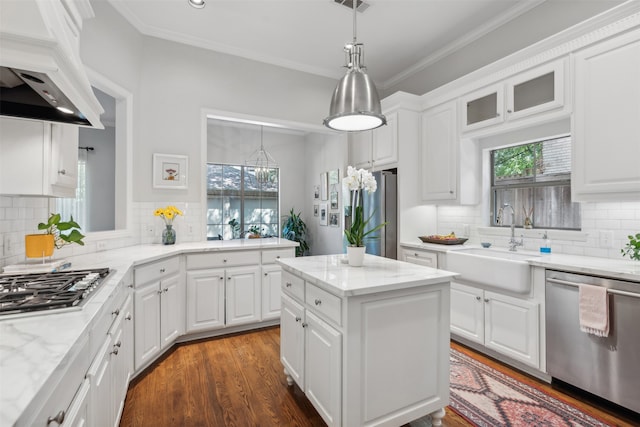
x: 498, y: 269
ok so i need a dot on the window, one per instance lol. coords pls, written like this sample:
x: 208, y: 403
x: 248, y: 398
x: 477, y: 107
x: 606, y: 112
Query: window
x: 535, y: 179
x: 238, y: 203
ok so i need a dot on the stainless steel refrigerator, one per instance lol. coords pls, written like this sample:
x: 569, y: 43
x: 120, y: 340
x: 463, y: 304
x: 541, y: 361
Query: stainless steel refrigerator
x: 383, y: 204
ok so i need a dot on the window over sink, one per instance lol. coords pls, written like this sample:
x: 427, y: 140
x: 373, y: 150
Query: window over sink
x: 535, y: 179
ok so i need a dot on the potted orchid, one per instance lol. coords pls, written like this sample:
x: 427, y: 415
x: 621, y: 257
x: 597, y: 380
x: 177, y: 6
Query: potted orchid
x: 357, y: 181
x: 168, y: 214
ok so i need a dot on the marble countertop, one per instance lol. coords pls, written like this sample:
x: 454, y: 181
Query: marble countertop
x: 333, y: 274
x: 607, y: 267
x: 34, y: 350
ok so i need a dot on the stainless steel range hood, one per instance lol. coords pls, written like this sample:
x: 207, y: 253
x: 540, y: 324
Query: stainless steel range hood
x: 41, y: 75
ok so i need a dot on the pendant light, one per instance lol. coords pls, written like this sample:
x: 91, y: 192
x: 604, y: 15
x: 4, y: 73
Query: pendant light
x: 262, y: 162
x: 355, y: 105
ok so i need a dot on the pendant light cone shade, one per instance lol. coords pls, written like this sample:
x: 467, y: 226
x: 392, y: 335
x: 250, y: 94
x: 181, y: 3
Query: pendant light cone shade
x: 355, y: 105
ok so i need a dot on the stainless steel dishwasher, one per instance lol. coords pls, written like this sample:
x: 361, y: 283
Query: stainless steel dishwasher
x: 608, y: 367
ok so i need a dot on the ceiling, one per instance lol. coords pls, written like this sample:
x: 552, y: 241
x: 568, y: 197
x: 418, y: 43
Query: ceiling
x: 400, y: 36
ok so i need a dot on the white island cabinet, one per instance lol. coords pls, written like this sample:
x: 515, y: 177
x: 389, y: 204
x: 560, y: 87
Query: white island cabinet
x: 368, y: 345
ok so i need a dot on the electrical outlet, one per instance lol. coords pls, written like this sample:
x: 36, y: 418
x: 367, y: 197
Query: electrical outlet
x: 606, y: 239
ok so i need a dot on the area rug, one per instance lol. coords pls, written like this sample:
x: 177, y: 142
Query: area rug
x: 487, y: 397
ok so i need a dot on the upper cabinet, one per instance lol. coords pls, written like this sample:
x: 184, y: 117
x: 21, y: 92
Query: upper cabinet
x: 377, y: 148
x: 606, y: 121
x: 524, y: 95
x: 450, y: 165
x: 38, y: 158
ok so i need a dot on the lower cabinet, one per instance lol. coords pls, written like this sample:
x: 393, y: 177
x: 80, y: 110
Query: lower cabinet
x: 499, y: 322
x: 420, y: 257
x: 78, y: 414
x: 271, y: 281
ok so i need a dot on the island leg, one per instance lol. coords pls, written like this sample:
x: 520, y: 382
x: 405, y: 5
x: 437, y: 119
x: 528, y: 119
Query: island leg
x: 289, y: 378
x: 437, y: 416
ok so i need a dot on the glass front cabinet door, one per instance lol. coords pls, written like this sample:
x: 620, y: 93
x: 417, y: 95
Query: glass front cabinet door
x: 535, y: 91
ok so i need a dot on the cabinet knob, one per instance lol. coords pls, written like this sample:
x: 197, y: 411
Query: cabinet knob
x: 128, y: 317
x: 224, y: 260
x: 277, y: 256
x: 478, y: 298
x: 62, y: 172
x: 118, y: 344
x: 450, y: 191
x: 116, y: 311
x: 304, y: 325
x: 497, y: 114
x: 415, y: 254
x: 221, y: 278
x: 115, y: 350
x: 166, y: 289
x: 318, y: 302
x: 509, y: 111
x: 130, y: 286
x: 159, y: 292
x: 58, y: 419
x: 298, y: 319
x: 229, y: 278
x: 288, y: 284
x: 266, y: 274
x: 162, y: 270
x: 486, y: 300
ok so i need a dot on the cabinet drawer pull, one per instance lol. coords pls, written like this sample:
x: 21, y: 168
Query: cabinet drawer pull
x: 118, y: 344
x: 130, y: 286
x: 115, y: 350
x: 166, y: 289
x: 509, y: 111
x: 478, y: 298
x: 298, y: 319
x: 304, y: 325
x: 58, y: 419
x: 318, y: 302
x: 415, y: 254
x: 266, y: 274
x: 116, y: 311
x: 277, y: 256
x: 450, y: 191
x: 62, y: 172
x: 128, y: 317
x: 288, y: 284
x: 486, y: 300
x: 224, y: 260
x: 162, y: 270
x: 221, y: 278
x: 159, y: 292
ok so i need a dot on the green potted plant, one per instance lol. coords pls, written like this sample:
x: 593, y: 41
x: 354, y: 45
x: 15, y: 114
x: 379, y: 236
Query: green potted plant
x: 254, y: 232
x: 632, y: 249
x: 294, y: 228
x: 57, y: 233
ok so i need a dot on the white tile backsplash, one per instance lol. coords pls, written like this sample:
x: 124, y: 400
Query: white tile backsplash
x: 619, y: 218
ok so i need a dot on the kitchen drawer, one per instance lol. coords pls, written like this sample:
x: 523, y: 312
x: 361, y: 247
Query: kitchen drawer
x: 270, y: 256
x: 327, y: 305
x: 293, y: 285
x: 156, y: 271
x: 106, y: 317
x: 222, y: 259
x: 426, y: 258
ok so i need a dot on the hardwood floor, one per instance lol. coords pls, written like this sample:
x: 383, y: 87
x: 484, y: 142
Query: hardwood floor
x: 238, y: 380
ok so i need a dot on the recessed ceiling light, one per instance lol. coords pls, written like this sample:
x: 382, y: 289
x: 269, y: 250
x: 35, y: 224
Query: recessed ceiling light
x: 65, y: 110
x: 198, y: 4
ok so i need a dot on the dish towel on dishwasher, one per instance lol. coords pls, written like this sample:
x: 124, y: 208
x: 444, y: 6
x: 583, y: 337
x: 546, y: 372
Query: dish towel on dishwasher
x: 594, y: 310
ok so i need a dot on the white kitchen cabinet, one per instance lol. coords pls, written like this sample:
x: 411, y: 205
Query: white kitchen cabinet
x: 606, y: 121
x: 205, y: 299
x: 420, y: 257
x: 99, y: 374
x: 502, y: 323
x: 272, y: 280
x: 450, y: 166
x: 375, y: 149
x: 78, y: 413
x: 243, y: 298
x: 530, y: 93
x: 159, y: 305
x: 123, y: 358
x: 38, y: 158
x: 311, y: 352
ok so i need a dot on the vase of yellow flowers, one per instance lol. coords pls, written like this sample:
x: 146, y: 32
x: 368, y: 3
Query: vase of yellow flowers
x: 168, y: 214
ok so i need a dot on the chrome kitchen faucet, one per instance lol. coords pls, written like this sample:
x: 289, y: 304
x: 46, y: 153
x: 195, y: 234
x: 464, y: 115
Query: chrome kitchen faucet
x: 513, y: 243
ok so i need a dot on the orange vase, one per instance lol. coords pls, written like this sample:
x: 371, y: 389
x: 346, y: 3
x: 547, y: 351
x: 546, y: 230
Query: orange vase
x: 38, y: 245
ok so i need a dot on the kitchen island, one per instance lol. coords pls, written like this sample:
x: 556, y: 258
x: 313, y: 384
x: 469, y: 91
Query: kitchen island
x: 368, y: 345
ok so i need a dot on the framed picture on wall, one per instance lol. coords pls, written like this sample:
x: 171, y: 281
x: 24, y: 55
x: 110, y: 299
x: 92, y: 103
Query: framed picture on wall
x: 316, y: 191
x: 334, y: 219
x: 170, y: 171
x: 316, y: 210
x: 333, y: 198
x: 324, y: 185
x: 323, y: 214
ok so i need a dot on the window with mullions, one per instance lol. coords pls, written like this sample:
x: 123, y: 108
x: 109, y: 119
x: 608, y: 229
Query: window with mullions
x: 535, y: 179
x: 237, y: 202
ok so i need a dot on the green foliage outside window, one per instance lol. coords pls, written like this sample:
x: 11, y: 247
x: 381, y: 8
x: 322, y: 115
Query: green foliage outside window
x: 522, y: 160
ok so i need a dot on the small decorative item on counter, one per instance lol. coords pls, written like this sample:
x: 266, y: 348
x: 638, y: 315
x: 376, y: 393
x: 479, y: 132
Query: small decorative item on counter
x: 254, y: 232
x: 528, y: 218
x: 56, y: 234
x: 545, y: 248
x: 443, y: 239
x: 168, y: 214
x: 357, y: 181
x: 632, y: 249
x: 485, y: 244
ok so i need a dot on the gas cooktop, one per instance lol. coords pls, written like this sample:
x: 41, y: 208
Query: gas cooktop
x: 33, y: 293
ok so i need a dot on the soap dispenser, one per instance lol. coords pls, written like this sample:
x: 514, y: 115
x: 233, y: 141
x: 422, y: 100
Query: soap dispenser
x: 545, y: 248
